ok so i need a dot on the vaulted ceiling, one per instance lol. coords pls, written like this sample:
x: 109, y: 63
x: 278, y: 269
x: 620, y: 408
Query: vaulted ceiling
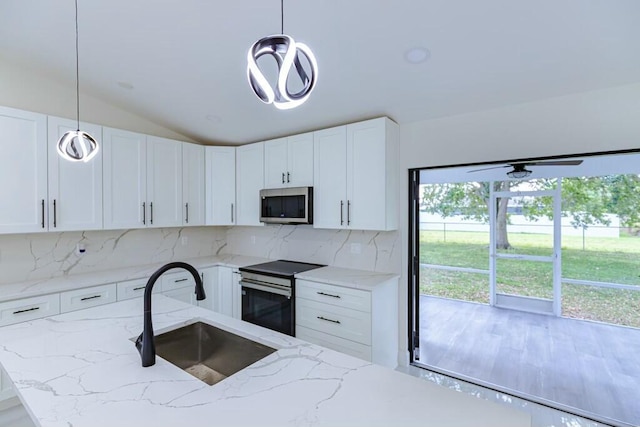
x: 182, y: 64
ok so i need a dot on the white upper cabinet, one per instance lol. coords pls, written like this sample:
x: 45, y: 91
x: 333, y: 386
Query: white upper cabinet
x: 164, y: 182
x: 142, y: 180
x: 23, y: 171
x: 330, y: 177
x: 193, y: 184
x: 220, y: 185
x: 125, y: 179
x: 288, y: 162
x: 372, y: 175
x: 75, y: 188
x: 355, y: 176
x: 249, y: 182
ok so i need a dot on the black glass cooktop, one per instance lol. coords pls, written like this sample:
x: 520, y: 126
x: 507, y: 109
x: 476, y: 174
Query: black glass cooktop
x: 281, y: 268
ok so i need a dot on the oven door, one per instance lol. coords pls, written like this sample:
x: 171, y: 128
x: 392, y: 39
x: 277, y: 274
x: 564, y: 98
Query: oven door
x: 268, y: 306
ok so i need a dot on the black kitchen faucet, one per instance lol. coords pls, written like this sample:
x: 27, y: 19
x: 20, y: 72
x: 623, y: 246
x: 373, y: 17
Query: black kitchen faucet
x: 145, y: 342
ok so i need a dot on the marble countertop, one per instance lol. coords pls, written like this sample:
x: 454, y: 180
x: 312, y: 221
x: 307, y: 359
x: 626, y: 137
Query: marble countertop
x: 64, y: 283
x: 82, y: 369
x: 358, y: 279
x: 338, y: 276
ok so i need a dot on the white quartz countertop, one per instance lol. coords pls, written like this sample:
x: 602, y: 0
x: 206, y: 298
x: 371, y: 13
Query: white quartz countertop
x: 358, y: 279
x: 31, y: 288
x: 334, y: 275
x: 81, y: 369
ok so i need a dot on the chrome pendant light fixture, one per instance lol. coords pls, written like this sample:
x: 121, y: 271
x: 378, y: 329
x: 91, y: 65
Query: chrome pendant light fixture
x: 76, y: 145
x: 287, y: 53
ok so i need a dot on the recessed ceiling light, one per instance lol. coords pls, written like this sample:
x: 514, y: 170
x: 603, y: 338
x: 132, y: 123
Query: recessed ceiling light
x: 125, y: 85
x: 213, y: 118
x: 417, y: 55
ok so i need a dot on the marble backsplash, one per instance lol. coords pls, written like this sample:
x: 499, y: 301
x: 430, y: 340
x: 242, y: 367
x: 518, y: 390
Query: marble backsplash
x: 44, y: 255
x: 364, y: 250
x: 37, y: 256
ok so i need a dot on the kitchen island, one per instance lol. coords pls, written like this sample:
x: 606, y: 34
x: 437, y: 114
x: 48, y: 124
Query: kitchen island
x: 82, y: 369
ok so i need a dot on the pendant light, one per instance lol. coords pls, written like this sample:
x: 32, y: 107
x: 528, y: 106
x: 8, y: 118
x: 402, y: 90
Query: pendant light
x: 76, y: 145
x: 287, y: 53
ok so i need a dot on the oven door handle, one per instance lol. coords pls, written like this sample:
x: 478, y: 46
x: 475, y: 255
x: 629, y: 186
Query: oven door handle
x: 270, y: 289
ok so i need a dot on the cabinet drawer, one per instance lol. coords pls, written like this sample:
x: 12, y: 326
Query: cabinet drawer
x: 351, y: 348
x: 132, y: 289
x: 88, y: 297
x: 177, y: 281
x: 342, y: 322
x: 26, y: 309
x: 354, y: 299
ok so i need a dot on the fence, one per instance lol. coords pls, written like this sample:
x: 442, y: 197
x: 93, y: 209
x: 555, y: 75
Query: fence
x: 517, y: 225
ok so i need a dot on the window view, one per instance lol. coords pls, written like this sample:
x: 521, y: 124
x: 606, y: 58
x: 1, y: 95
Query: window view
x: 533, y: 285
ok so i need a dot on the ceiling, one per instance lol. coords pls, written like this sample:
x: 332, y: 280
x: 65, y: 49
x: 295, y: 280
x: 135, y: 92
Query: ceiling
x: 186, y: 60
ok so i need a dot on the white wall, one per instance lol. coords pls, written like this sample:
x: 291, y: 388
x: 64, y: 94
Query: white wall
x: 30, y: 90
x: 602, y: 120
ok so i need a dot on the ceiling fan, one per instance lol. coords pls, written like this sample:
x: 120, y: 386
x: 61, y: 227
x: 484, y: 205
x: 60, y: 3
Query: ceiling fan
x: 520, y: 170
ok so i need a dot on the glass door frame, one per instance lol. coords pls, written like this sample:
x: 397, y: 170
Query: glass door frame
x: 533, y: 304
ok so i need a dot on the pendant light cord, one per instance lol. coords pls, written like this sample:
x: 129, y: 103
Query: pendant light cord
x: 77, y: 73
x: 281, y: 16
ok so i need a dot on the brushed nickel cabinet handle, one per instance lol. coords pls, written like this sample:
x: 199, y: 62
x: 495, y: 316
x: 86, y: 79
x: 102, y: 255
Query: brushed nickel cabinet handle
x: 55, y: 216
x: 186, y: 206
x: 288, y: 177
x: 151, y: 209
x: 42, y: 212
x: 341, y: 209
x: 231, y: 212
x: 144, y: 213
x: 348, y: 212
x: 91, y: 297
x: 283, y: 177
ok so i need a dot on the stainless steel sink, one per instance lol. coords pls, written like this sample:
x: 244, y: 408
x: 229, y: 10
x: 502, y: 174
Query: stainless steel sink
x: 209, y: 353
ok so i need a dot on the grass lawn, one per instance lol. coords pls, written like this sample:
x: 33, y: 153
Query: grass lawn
x: 605, y: 259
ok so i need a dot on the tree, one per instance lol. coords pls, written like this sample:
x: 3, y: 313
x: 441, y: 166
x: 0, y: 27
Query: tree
x: 470, y: 200
x: 587, y: 200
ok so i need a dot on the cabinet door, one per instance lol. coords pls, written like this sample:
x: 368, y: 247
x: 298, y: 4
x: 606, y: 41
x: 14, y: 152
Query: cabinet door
x: 329, y: 178
x: 220, y: 185
x: 300, y: 160
x: 372, y: 152
x: 236, y: 295
x: 210, y: 282
x: 164, y: 182
x: 75, y: 188
x: 225, y: 280
x: 249, y: 182
x: 275, y: 163
x: 182, y: 294
x: 125, y: 179
x: 193, y: 182
x: 23, y: 171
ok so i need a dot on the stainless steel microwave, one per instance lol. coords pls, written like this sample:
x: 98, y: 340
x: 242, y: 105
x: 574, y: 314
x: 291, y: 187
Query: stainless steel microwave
x: 292, y: 205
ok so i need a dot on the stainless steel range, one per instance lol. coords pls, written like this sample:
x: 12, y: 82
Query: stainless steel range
x: 268, y: 294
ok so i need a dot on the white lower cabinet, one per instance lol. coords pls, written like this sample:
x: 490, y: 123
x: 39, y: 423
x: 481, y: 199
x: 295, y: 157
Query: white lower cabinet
x: 361, y: 323
x: 132, y: 289
x: 87, y: 297
x: 229, y: 292
x: 211, y: 289
x: 26, y: 309
x: 180, y: 285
